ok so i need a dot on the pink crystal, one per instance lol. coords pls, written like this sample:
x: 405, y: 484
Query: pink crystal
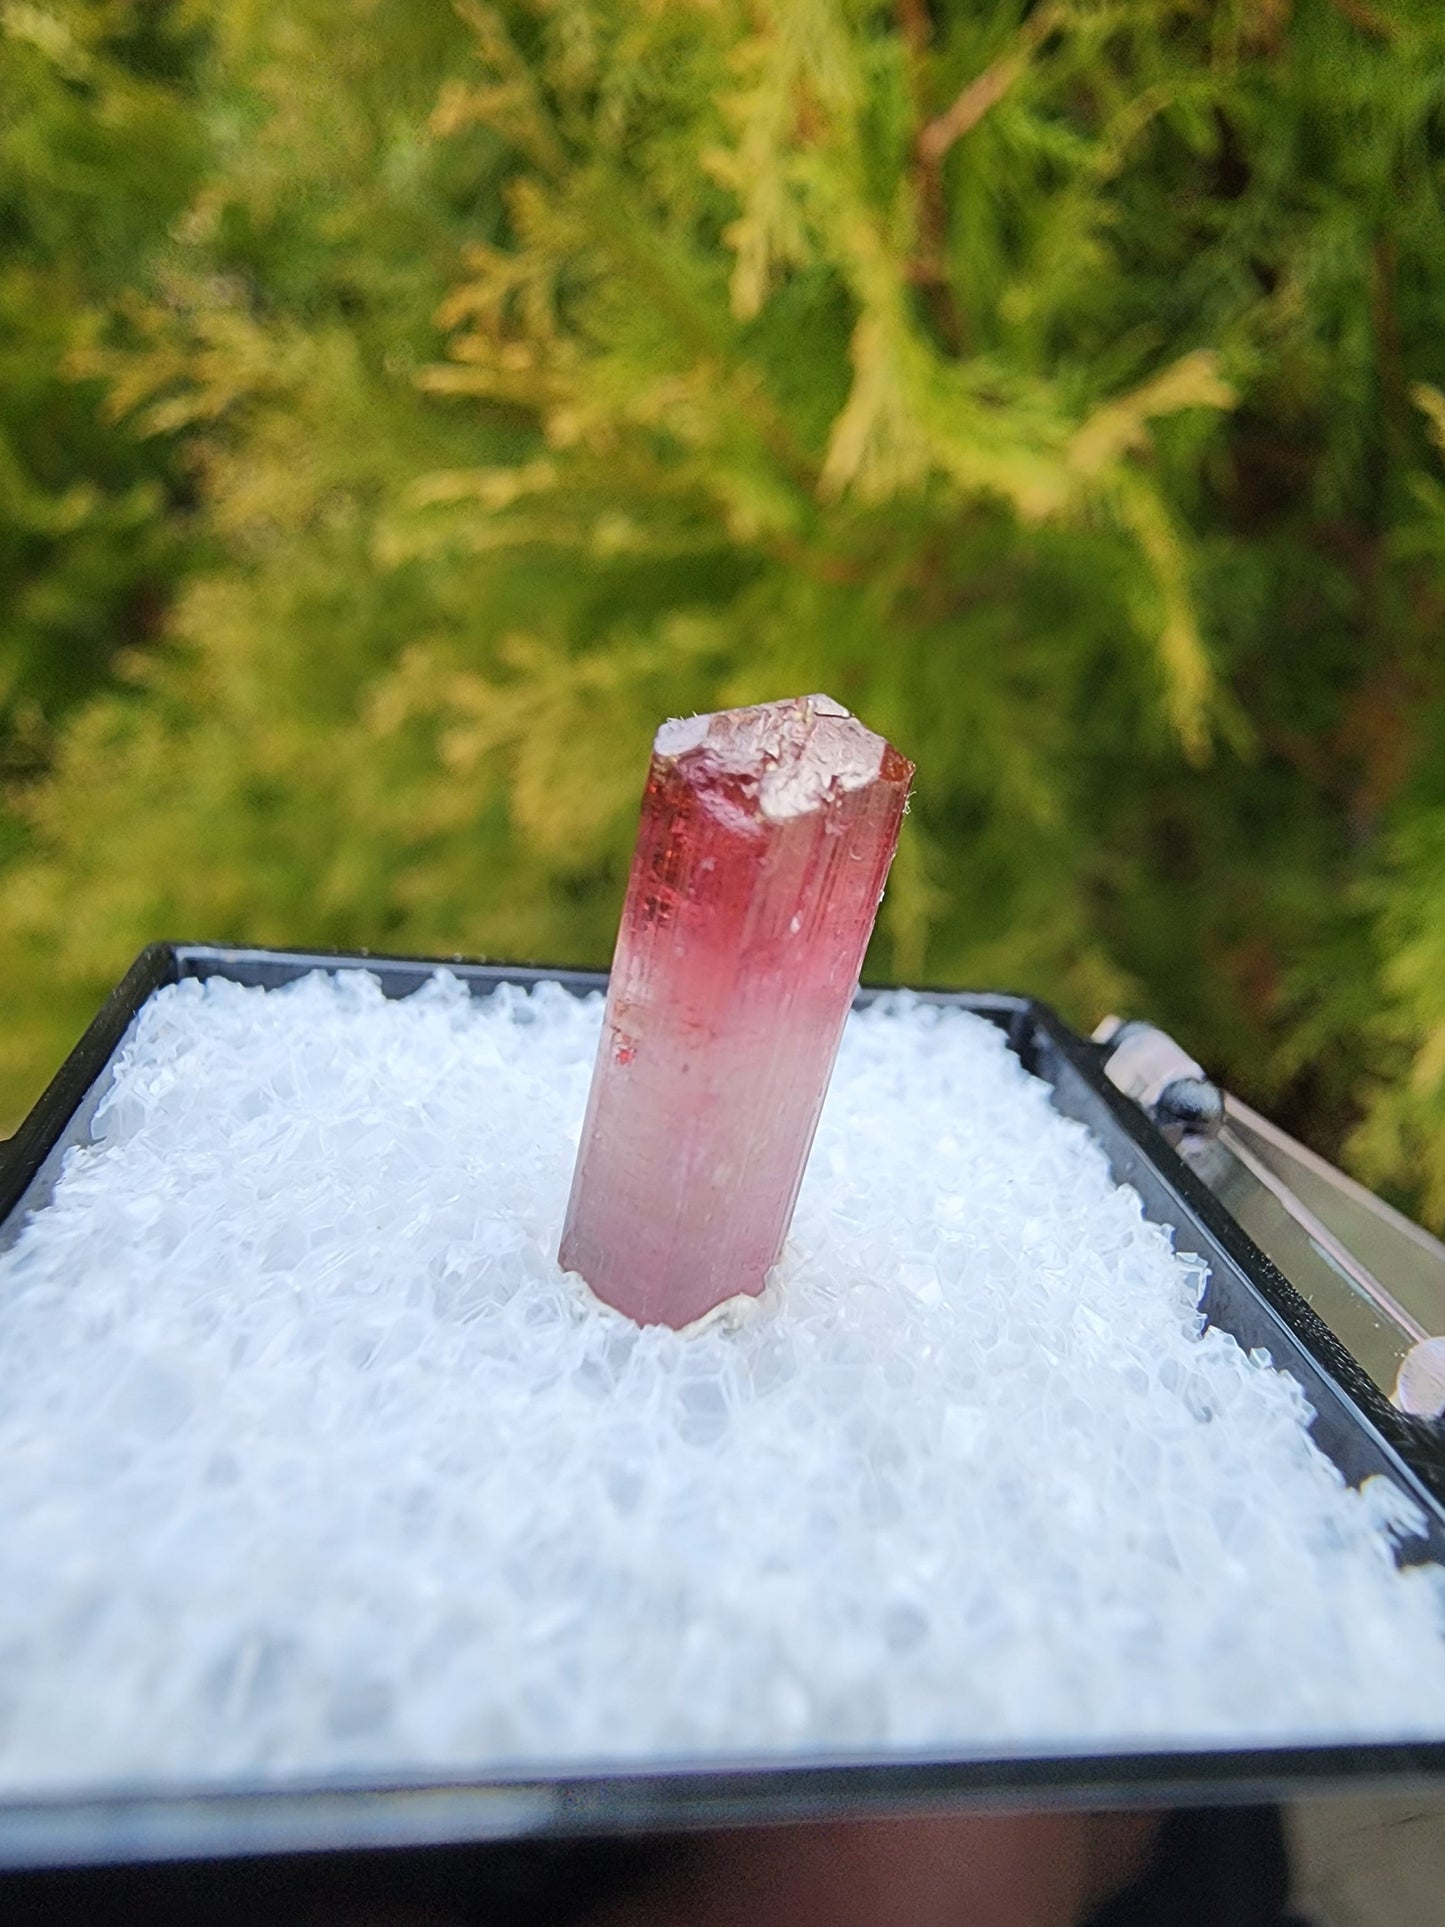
x: 765, y: 839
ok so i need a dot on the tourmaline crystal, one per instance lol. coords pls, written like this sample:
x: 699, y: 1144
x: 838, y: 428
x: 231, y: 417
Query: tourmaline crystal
x: 765, y: 840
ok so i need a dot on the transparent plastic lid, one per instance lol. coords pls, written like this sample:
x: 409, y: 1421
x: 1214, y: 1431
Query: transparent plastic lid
x: 1376, y: 1279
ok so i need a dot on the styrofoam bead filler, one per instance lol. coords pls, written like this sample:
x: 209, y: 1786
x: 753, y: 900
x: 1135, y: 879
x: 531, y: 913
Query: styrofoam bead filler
x: 312, y: 1460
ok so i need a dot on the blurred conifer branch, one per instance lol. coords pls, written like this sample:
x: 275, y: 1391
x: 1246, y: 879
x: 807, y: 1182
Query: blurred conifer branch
x: 401, y: 420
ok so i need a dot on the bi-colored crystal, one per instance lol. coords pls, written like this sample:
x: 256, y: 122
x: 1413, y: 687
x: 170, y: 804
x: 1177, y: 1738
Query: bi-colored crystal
x: 765, y: 840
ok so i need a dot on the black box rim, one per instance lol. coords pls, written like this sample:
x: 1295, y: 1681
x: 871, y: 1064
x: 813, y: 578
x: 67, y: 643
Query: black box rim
x: 1355, y: 1425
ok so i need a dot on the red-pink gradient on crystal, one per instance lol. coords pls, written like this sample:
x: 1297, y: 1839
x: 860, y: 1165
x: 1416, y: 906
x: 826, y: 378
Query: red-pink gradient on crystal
x: 764, y: 845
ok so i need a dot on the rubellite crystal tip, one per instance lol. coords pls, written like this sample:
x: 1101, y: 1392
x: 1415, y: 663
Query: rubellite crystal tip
x: 794, y: 751
x: 765, y: 840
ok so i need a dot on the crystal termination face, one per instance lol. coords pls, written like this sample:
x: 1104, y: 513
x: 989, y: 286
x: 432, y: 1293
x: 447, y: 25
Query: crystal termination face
x: 764, y: 845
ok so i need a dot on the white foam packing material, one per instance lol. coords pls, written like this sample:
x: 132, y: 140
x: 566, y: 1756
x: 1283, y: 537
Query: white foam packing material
x: 310, y: 1458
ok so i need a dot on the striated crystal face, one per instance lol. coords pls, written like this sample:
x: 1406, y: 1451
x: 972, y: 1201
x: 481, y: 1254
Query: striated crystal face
x: 765, y: 840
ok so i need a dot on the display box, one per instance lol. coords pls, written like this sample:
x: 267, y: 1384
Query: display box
x: 1354, y: 1425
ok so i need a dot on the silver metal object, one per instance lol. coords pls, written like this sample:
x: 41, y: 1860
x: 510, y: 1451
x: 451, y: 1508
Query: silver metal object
x: 1376, y: 1279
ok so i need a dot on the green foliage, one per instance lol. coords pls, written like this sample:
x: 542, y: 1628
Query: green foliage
x: 99, y: 151
x: 1059, y: 385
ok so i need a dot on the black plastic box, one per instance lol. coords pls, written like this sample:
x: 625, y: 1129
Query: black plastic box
x: 1354, y: 1425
